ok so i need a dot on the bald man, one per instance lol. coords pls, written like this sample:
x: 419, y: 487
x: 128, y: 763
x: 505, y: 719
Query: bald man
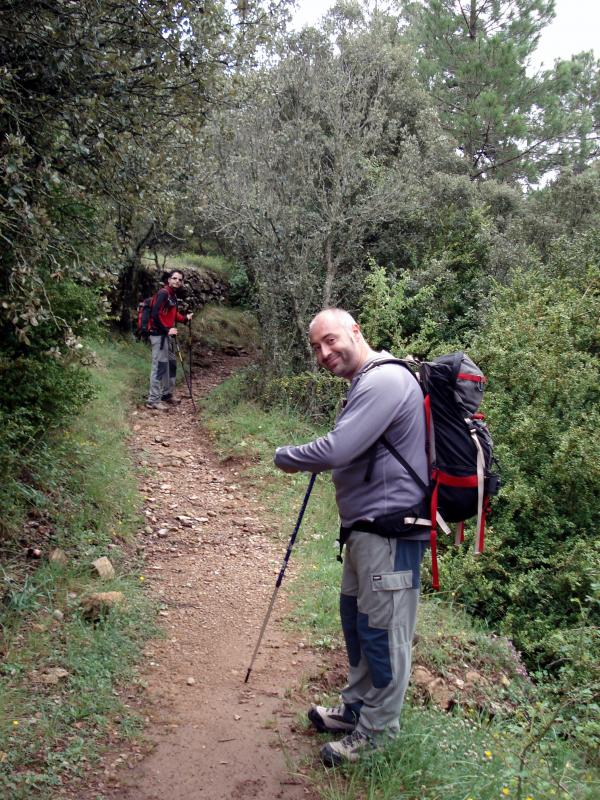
x: 384, y: 528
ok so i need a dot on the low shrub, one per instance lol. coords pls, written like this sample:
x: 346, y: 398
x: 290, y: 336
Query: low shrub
x: 315, y: 394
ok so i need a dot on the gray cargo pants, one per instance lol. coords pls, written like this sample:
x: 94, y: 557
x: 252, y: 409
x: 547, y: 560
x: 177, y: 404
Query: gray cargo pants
x: 163, y: 369
x: 378, y: 609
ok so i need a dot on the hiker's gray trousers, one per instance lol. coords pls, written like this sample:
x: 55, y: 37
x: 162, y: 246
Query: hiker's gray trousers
x: 378, y: 609
x: 163, y: 369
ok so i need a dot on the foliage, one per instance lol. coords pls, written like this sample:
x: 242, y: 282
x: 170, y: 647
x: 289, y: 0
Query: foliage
x: 507, y: 123
x: 222, y: 328
x: 397, y: 319
x: 538, y: 579
x: 459, y: 247
x: 570, y: 204
x: 48, y: 382
x: 328, y: 147
x: 316, y: 395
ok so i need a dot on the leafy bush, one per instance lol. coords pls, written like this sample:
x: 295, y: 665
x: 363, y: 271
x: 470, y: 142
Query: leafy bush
x: 315, y: 395
x: 46, y: 383
x: 396, y: 315
x: 537, y: 581
x: 44, y: 378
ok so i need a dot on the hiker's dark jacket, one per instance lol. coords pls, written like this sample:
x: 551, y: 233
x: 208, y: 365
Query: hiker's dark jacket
x: 164, y: 312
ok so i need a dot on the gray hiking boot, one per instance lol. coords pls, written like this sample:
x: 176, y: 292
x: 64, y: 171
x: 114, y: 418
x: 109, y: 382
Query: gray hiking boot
x: 348, y: 749
x: 160, y: 406
x: 340, y: 719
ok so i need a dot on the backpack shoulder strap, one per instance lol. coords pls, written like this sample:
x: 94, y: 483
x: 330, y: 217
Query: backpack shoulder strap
x: 413, y: 473
x: 378, y: 362
x: 388, y: 445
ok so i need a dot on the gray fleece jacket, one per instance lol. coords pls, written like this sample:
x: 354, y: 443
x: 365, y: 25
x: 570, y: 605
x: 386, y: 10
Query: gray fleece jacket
x: 386, y: 399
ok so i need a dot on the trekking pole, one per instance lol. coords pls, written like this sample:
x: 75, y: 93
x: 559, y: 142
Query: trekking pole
x: 190, y: 347
x: 187, y: 380
x: 282, y: 571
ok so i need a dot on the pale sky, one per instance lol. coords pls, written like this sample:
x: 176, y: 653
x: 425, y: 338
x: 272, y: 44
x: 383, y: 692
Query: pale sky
x: 576, y: 27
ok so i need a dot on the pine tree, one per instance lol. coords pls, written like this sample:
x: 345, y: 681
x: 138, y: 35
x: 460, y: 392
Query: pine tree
x: 473, y: 55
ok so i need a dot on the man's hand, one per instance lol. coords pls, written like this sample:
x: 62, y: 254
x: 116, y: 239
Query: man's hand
x: 172, y: 331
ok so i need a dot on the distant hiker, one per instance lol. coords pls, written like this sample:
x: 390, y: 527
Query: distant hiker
x: 382, y: 510
x: 163, y: 316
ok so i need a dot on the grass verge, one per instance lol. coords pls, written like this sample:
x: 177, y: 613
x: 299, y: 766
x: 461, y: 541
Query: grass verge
x: 499, y: 738
x: 224, y: 328
x: 59, y: 671
x: 211, y: 262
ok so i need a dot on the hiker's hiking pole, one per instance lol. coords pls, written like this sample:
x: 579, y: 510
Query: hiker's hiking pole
x: 185, y: 375
x: 282, y: 571
x: 190, y: 347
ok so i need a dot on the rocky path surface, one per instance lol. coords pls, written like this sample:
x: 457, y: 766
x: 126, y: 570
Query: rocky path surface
x: 211, y: 561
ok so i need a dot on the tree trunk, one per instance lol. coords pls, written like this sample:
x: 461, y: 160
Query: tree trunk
x: 301, y: 326
x: 129, y: 280
x: 330, y: 272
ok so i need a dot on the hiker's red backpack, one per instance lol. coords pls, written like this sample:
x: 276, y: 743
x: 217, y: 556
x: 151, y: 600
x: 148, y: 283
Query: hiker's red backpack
x: 460, y: 448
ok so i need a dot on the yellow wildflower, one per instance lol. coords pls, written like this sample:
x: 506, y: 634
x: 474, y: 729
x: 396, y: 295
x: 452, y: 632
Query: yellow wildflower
x: 488, y: 754
x: 505, y: 791
x: 15, y: 723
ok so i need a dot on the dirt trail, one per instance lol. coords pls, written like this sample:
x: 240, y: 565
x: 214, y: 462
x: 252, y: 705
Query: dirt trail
x: 212, y: 563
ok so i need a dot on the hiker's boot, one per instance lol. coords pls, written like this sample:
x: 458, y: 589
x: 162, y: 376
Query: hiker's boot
x: 160, y: 406
x: 340, y: 719
x: 170, y: 400
x: 348, y: 749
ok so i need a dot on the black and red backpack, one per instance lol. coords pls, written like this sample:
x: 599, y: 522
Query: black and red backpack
x: 459, y: 444
x: 144, y: 313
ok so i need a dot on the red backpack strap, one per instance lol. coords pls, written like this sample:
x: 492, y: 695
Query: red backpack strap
x: 435, y: 578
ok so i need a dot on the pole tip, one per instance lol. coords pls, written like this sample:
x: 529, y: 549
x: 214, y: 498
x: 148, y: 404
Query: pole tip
x: 247, y: 674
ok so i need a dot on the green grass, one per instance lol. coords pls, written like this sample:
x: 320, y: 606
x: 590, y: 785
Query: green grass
x: 212, y: 262
x: 454, y: 757
x: 85, y: 491
x: 221, y: 327
x: 506, y: 742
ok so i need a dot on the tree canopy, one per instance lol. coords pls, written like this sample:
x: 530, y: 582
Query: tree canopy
x: 510, y: 122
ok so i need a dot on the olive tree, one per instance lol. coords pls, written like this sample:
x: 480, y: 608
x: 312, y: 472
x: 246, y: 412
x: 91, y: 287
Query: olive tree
x: 330, y: 144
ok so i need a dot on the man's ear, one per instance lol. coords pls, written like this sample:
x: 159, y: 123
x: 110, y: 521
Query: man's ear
x: 356, y: 331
